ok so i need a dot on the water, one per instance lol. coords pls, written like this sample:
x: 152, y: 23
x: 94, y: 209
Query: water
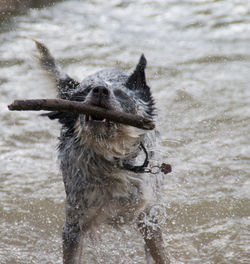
x: 198, y: 54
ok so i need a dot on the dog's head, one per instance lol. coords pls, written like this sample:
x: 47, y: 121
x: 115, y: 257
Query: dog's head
x: 114, y: 90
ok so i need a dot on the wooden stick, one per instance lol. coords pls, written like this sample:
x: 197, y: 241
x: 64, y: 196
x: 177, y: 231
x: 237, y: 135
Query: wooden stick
x: 81, y: 108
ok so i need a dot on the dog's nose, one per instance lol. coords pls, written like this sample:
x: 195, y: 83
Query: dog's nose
x: 100, y: 91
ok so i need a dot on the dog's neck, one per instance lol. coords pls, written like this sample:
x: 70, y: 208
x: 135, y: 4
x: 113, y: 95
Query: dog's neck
x: 121, y: 144
x: 103, y: 168
x: 138, y: 168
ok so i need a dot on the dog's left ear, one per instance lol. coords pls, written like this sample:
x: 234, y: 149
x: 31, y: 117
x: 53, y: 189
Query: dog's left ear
x: 137, y: 80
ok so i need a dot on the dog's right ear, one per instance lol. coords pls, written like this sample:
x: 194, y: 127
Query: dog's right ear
x: 64, y: 83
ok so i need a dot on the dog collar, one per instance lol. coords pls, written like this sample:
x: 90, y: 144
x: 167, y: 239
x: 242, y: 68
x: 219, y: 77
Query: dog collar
x: 165, y: 168
x: 138, y: 169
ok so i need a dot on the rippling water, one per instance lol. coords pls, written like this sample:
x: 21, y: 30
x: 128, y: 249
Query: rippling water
x: 198, y: 55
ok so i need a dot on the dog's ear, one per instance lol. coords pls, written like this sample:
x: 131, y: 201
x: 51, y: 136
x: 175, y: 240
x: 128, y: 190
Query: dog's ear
x: 64, y: 83
x: 137, y: 80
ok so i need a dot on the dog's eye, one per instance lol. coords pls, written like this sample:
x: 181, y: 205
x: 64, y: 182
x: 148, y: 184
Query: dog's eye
x: 81, y: 95
x: 87, y: 90
x: 127, y: 102
x: 122, y: 95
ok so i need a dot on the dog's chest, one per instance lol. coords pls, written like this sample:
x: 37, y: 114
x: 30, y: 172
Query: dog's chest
x: 116, y: 197
x: 94, y: 182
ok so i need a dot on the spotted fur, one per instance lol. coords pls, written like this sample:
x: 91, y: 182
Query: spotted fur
x: 93, y: 152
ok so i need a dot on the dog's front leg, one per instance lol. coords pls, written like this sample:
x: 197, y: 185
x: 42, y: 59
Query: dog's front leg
x: 154, y: 246
x: 71, y: 243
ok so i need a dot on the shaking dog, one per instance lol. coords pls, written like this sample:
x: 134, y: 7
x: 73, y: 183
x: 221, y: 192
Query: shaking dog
x: 104, y: 164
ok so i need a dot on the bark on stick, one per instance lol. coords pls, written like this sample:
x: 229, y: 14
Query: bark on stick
x: 81, y: 108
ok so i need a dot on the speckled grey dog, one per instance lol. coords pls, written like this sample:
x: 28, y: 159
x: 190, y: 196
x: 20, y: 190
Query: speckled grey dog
x: 103, y: 163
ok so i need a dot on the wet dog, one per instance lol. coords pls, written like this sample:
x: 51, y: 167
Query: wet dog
x: 104, y: 163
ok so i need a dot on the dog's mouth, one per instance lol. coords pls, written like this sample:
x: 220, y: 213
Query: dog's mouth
x: 94, y: 120
x: 98, y: 121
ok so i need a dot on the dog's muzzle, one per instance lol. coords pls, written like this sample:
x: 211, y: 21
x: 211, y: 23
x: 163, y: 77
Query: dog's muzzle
x: 100, y: 96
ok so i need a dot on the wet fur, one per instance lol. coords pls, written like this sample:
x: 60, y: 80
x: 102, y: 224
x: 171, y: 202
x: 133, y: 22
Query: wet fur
x: 93, y: 155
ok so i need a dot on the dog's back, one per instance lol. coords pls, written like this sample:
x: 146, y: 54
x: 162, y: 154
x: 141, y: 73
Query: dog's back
x: 103, y: 163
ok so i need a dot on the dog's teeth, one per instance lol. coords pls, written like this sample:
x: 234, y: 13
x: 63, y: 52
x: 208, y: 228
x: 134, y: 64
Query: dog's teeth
x: 104, y: 120
x: 90, y: 117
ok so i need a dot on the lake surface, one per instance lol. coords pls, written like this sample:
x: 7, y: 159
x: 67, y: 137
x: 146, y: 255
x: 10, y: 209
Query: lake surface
x: 198, y: 54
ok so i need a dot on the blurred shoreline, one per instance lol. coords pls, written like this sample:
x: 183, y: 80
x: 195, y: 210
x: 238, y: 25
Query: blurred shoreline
x: 14, y: 7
